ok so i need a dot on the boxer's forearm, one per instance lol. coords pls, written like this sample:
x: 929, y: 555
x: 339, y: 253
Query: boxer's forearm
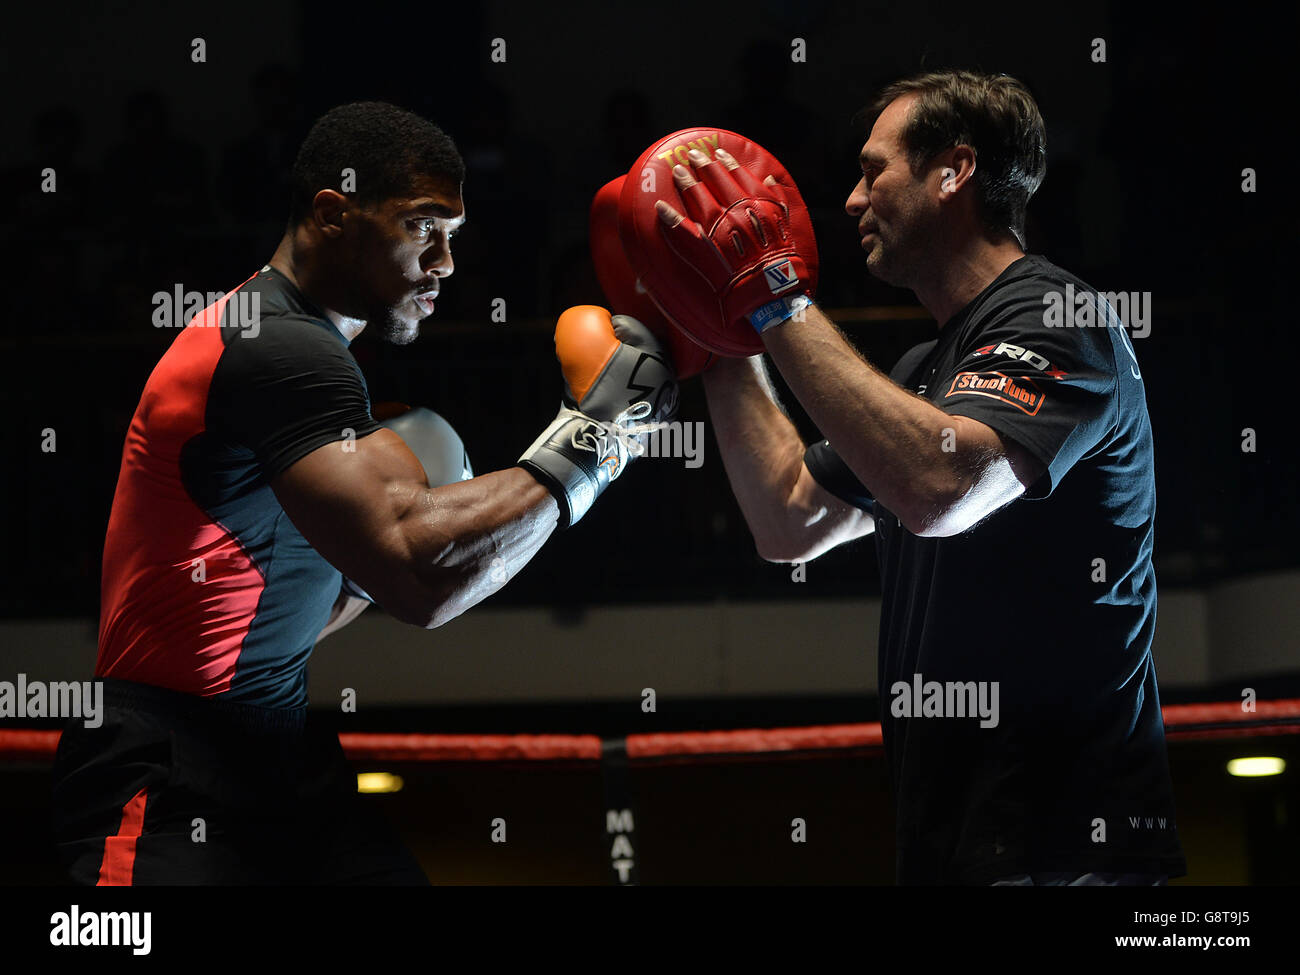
x: 890, y: 438
x: 761, y: 449
x: 467, y: 540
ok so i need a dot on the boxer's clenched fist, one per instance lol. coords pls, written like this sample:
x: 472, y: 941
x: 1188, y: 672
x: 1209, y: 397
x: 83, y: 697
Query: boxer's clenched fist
x: 617, y: 385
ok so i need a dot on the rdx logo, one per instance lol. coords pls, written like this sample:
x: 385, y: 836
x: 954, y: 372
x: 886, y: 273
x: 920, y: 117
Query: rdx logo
x: 1023, y: 355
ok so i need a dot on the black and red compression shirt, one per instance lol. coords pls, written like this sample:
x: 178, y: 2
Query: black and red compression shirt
x: 208, y: 588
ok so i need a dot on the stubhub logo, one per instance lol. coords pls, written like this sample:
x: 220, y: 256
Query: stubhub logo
x: 780, y: 277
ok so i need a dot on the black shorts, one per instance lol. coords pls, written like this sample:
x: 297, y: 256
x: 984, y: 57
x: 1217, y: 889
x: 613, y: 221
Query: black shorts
x: 175, y: 789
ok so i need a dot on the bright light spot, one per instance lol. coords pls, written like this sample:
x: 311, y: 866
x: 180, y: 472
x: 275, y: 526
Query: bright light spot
x: 1256, y: 766
x: 378, y: 782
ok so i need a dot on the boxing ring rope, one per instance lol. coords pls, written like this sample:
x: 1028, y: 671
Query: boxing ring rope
x: 1183, y: 722
x: 615, y: 756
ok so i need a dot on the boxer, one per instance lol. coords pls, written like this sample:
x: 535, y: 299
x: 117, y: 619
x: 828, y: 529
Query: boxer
x: 260, y: 506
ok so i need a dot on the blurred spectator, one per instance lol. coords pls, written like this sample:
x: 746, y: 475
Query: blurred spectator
x: 253, y: 183
x: 159, y: 179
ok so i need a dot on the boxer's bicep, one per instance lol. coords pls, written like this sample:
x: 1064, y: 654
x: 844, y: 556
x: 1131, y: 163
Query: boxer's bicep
x: 350, y: 501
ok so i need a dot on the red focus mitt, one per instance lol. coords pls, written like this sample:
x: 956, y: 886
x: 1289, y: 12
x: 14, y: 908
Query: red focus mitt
x: 740, y: 255
x: 626, y: 296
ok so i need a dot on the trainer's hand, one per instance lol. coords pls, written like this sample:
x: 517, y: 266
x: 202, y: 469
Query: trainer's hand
x: 618, y: 386
x: 736, y: 233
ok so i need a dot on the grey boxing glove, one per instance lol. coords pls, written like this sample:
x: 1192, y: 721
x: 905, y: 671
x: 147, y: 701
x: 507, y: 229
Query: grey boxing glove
x: 618, y: 386
x: 441, y: 453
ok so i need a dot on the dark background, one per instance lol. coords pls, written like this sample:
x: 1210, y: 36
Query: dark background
x: 174, y: 172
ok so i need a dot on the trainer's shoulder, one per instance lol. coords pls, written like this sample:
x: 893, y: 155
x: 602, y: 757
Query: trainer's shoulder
x: 910, y: 359
x: 1036, y: 281
x: 1030, y: 282
x: 1036, y: 299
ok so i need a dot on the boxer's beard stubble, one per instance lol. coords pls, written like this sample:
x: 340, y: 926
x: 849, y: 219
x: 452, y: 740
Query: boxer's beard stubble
x: 394, y: 330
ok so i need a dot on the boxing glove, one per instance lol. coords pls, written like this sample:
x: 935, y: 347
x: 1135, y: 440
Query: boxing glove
x: 618, y: 386
x: 436, y: 445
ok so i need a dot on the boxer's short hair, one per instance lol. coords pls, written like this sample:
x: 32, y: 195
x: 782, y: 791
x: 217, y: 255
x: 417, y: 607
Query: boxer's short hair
x: 996, y: 116
x: 386, y: 146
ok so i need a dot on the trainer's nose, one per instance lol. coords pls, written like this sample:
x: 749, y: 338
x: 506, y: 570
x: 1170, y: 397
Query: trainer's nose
x: 858, y: 201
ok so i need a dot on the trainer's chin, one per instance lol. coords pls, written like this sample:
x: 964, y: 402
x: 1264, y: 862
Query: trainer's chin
x: 873, y: 260
x: 876, y: 265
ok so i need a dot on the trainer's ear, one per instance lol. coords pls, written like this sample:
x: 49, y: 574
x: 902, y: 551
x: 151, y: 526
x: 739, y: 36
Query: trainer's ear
x: 435, y: 443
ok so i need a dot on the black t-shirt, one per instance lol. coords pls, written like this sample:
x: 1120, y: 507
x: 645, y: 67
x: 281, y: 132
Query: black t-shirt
x: 1053, y: 597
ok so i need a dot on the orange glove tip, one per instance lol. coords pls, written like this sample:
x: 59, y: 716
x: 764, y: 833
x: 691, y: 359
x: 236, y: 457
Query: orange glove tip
x: 584, y: 343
